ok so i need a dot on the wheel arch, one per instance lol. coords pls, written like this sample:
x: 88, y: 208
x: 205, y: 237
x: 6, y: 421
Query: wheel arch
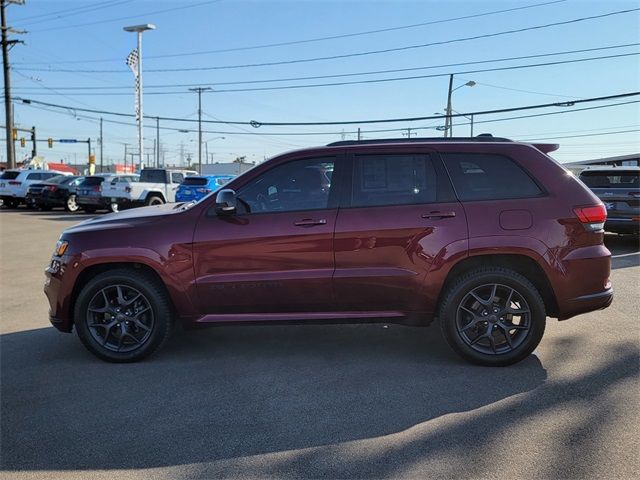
x: 154, y: 193
x: 520, y: 263
x: 93, y: 270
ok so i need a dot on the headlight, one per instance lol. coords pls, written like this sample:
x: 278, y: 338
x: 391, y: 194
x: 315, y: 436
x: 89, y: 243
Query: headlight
x: 61, y: 247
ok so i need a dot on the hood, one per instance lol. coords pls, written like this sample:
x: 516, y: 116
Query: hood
x: 126, y: 218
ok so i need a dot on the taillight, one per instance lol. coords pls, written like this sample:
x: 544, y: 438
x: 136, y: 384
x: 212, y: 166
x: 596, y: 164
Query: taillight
x: 51, y: 188
x: 592, y: 217
x: 97, y: 188
x: 13, y: 182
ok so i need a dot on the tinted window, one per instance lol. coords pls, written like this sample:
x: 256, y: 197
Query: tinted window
x: 9, y: 175
x: 92, y: 181
x: 298, y: 185
x: 392, y: 180
x: 153, y: 176
x: 34, y: 176
x: 221, y: 181
x: 610, y: 179
x: 177, y: 177
x: 478, y: 176
x: 195, y: 181
x: 59, y: 179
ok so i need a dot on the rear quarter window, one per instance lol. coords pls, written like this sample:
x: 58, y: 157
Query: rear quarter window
x: 478, y: 176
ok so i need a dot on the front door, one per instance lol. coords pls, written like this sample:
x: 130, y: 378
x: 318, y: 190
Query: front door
x: 276, y: 253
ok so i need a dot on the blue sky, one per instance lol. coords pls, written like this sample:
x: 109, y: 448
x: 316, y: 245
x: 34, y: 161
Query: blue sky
x: 87, y: 35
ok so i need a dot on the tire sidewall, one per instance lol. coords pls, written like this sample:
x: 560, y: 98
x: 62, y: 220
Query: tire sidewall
x: 66, y: 203
x: 159, y: 306
x: 511, y: 279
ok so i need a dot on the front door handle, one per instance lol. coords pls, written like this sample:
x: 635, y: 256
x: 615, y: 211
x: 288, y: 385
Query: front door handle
x: 308, y: 222
x: 439, y: 215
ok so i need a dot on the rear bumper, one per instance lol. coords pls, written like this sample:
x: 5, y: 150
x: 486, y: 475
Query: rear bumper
x: 93, y: 201
x: 587, y: 303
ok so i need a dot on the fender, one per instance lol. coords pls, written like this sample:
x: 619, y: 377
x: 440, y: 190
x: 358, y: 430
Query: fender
x: 175, y: 270
x: 145, y: 193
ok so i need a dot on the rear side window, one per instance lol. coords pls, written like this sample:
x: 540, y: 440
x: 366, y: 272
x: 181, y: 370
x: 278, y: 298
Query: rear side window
x: 92, y: 181
x: 479, y: 176
x: 393, y: 180
x: 35, y: 176
x: 612, y: 179
x: 195, y: 181
x: 9, y: 175
x: 153, y: 176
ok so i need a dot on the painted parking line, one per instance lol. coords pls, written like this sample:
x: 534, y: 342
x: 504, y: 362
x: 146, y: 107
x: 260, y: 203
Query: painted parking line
x: 625, y: 255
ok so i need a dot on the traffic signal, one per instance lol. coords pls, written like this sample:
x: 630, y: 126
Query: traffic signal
x: 50, y: 142
x: 15, y: 134
x: 22, y: 142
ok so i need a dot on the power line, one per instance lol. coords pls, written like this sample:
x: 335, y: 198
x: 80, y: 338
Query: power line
x: 69, y: 12
x: 381, y: 80
x: 370, y: 52
x: 256, y: 124
x: 331, y: 37
x: 155, y: 12
x: 352, y: 74
x: 583, y: 135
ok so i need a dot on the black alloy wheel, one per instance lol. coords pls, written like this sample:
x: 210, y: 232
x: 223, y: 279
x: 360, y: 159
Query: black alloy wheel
x: 123, y: 315
x: 492, y: 316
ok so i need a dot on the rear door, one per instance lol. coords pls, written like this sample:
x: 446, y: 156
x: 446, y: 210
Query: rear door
x: 398, y: 216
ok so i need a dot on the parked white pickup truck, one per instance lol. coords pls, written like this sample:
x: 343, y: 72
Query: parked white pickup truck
x: 156, y: 186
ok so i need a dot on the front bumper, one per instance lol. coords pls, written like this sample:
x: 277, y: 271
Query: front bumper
x: 60, y: 278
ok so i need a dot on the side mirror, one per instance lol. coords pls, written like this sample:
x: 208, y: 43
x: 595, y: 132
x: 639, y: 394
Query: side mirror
x: 226, y: 202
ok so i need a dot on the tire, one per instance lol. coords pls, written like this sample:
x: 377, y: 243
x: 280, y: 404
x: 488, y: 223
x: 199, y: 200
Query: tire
x: 89, y: 209
x: 11, y: 203
x: 475, y: 318
x: 154, y: 200
x: 155, y: 315
x: 70, y: 204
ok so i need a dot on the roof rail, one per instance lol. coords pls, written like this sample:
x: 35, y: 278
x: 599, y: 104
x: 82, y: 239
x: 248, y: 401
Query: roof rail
x: 480, y: 138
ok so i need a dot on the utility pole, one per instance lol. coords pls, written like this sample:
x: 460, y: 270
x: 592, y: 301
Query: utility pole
x: 34, y: 151
x: 408, y: 134
x: 199, y: 90
x: 358, y: 133
x: 181, y: 153
x: 447, y: 123
x: 101, y: 149
x: 157, y: 144
x: 6, y: 46
x: 206, y: 152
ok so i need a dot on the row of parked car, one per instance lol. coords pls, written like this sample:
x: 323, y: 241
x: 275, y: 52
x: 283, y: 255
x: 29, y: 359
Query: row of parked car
x: 48, y: 189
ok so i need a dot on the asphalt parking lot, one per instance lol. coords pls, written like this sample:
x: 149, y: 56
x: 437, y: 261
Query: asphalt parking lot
x: 312, y: 401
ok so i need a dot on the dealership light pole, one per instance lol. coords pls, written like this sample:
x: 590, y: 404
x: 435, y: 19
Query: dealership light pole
x: 448, y: 131
x: 135, y: 63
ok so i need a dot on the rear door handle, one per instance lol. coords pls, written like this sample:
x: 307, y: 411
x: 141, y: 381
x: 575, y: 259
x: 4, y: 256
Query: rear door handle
x: 308, y: 222
x: 439, y: 215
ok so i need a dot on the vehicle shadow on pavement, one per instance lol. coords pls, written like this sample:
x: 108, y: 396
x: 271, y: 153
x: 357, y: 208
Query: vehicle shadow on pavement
x: 625, y: 250
x: 231, y: 392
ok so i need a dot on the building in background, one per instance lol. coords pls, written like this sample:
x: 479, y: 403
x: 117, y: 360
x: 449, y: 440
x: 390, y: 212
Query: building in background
x: 232, y: 168
x: 632, y: 160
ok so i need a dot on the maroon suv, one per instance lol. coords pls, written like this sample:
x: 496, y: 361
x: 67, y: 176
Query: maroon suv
x: 487, y: 235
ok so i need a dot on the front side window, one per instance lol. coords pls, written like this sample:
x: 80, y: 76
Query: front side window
x: 479, y: 176
x: 298, y: 185
x: 393, y: 180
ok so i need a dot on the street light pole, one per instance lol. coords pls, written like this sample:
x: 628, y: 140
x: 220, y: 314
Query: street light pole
x: 139, y: 29
x: 199, y: 90
x: 448, y: 122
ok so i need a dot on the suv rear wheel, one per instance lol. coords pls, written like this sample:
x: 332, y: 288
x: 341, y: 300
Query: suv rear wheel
x: 71, y: 205
x: 123, y: 315
x: 492, y: 316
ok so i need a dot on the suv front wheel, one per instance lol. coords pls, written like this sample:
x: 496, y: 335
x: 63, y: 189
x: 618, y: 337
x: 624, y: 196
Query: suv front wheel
x: 123, y: 315
x: 492, y: 316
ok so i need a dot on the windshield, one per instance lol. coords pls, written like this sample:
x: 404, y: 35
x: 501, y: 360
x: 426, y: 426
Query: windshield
x: 610, y: 179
